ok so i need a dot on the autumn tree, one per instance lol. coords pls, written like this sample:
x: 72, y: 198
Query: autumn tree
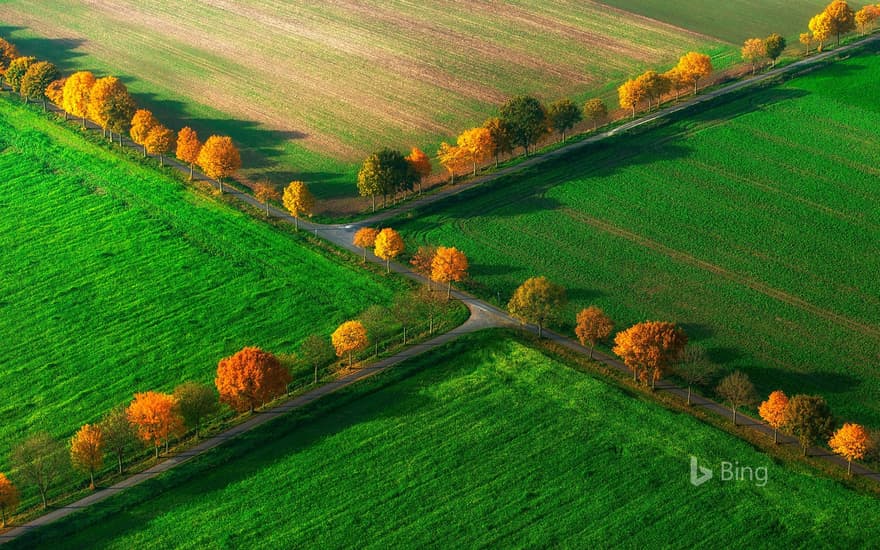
x: 448, y: 265
x: 476, y: 146
x: 649, y: 348
x: 866, y: 17
x: 422, y: 261
x: 630, y: 94
x: 351, y: 336
x: 774, y: 45
x: 806, y: 38
x: 159, y: 141
x: 365, y: 238
x: 55, y: 93
x: 654, y: 86
x: 753, y: 51
x: 383, y: 173
x: 595, y: 112
x: 563, y: 115
x: 156, y: 417
x: 694, y: 368
x: 526, y: 120
x: 18, y: 67
x: 264, y: 192
x: 9, y: 498
x: 195, y: 402
x: 188, y: 148
x: 388, y: 245
x: 676, y: 81
x: 737, y: 390
x: 219, y: 158
x: 8, y: 52
x: 851, y: 442
x: 40, y: 460
x: 109, y: 103
x: 537, y: 301
x: 316, y: 351
x: 420, y: 165
x: 772, y: 411
x: 298, y: 200
x: 693, y: 66
x: 841, y: 18
x: 76, y: 94
x: 87, y: 451
x: 502, y: 142
x: 120, y: 436
x: 592, y: 327
x: 141, y: 123
x: 808, y: 418
x: 820, y: 28
x: 249, y: 378
x: 453, y: 158
x: 36, y: 81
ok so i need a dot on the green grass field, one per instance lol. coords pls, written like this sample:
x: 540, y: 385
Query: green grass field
x: 116, y: 278
x: 484, y: 443
x: 754, y: 224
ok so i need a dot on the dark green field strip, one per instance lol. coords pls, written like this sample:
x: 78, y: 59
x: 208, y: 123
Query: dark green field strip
x: 117, y: 279
x: 486, y: 442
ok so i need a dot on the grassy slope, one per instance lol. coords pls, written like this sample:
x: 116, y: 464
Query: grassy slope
x: 487, y: 442
x: 700, y: 221
x: 731, y: 21
x: 117, y: 279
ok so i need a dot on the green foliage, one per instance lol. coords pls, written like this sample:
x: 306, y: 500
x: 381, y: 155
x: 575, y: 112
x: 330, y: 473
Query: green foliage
x: 774, y: 45
x: 37, y: 79
x: 808, y: 418
x: 196, y: 402
x: 384, y: 173
x: 526, y: 119
x: 476, y: 445
x: 563, y: 115
x: 18, y: 67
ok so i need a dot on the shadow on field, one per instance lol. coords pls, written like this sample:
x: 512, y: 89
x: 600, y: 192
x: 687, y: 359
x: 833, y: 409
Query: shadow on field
x: 60, y: 51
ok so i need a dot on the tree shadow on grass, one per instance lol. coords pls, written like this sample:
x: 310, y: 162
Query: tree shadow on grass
x: 60, y: 51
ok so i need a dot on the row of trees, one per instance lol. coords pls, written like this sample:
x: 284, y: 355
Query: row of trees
x: 836, y: 19
x: 651, y: 86
x: 755, y: 50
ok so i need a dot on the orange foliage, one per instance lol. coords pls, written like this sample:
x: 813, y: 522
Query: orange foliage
x: 8, y: 52
x: 141, y: 123
x: 423, y: 260
x: 87, y: 451
x: 249, y: 378
x: 156, y: 417
x: 365, y: 238
x: 476, y: 146
x: 159, y: 141
x: 693, y: 66
x: 821, y: 28
x: 851, y: 442
x: 76, y: 94
x: 55, y: 92
x: 265, y: 192
x: 219, y: 158
x: 630, y: 94
x: 351, y: 336
x: 452, y: 158
x: 592, y: 326
x: 188, y: 147
x: 449, y: 264
x: 772, y: 411
x: 388, y: 245
x: 420, y: 164
x: 649, y: 348
x: 8, y: 499
x: 754, y: 50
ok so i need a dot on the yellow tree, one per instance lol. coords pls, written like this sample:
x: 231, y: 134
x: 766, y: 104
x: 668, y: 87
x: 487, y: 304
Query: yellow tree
x: 8, y: 52
x: 87, y: 451
x: 99, y: 100
x: 111, y: 106
x: 820, y: 28
x: 365, y: 238
x: 141, y: 123
x: 452, y: 158
x: 420, y: 164
x: 476, y: 146
x: 537, y: 301
x: 55, y: 93
x: 841, y: 18
x: 753, y: 51
x: 448, y: 265
x: 388, y: 245
x: 654, y: 85
x: 592, y: 327
x: 693, y: 66
x: 156, y: 417
x: 188, y: 147
x: 159, y: 141
x: 8, y: 497
x: 851, y: 442
x: 649, y: 348
x: 595, y: 111
x: 676, y: 82
x: 630, y: 94
x: 351, y: 336
x: 865, y: 18
x: 265, y: 192
x: 806, y: 38
x: 772, y: 411
x: 219, y: 158
x: 76, y: 94
x: 298, y: 200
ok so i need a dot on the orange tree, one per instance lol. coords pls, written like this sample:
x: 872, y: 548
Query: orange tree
x: 8, y: 499
x: 420, y: 165
x: 87, y: 451
x: 595, y: 111
x: 448, y: 265
x: 499, y: 131
x: 389, y: 244
x: 851, y: 442
x: 265, y: 192
x: 772, y: 411
x: 8, y: 52
x: 365, y: 238
x: 156, y: 417
x: 76, y: 94
x: 219, y: 158
x: 630, y: 94
x: 840, y: 17
x: 16, y: 71
x: 298, y: 200
x: 159, y: 141
x: 141, y: 123
x: 188, y: 147
x: 693, y: 66
x: 476, y: 146
x: 249, y: 378
x: 649, y: 348
x: 592, y: 327
x: 349, y: 337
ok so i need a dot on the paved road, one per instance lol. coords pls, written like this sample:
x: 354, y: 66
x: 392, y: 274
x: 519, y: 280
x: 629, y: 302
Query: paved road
x: 483, y: 315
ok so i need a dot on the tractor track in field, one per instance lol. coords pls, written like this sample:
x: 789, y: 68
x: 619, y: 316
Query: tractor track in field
x: 483, y: 315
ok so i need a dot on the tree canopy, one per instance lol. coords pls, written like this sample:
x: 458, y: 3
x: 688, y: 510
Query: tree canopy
x: 526, y: 120
x: 250, y: 378
x: 563, y: 115
x: 537, y: 301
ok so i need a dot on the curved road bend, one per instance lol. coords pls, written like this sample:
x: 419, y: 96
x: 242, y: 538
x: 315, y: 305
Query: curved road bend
x: 483, y: 315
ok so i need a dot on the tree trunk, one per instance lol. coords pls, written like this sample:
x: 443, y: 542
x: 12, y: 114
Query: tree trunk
x: 689, y: 395
x: 166, y: 446
x: 805, y: 449
x: 387, y: 265
x: 404, y: 335
x: 634, y: 111
x: 420, y: 187
x: 267, y: 209
x: 365, y: 255
x: 374, y: 202
x: 849, y: 467
x: 540, y: 330
x: 92, y: 480
x: 220, y: 183
x: 190, y: 171
x: 119, y: 460
x: 120, y: 138
x: 475, y: 168
x: 448, y: 290
x: 2, y: 516
x: 316, y: 374
x: 145, y: 151
x: 734, y: 415
x: 431, y: 328
x: 653, y: 382
x: 83, y: 121
x: 157, y: 452
x: 349, y: 359
x: 452, y: 178
x: 161, y: 160
x: 43, y: 497
x: 296, y: 227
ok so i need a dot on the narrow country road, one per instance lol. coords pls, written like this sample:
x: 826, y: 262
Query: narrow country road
x: 482, y: 314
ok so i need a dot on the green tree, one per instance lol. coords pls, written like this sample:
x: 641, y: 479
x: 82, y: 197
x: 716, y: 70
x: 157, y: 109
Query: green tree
x: 40, y: 460
x: 383, y: 173
x: 195, y: 402
x: 316, y: 351
x: 526, y: 119
x: 501, y: 140
x: 595, y: 111
x: 808, y: 418
x: 537, y: 301
x: 563, y: 115
x: 18, y: 67
x: 120, y: 437
x: 36, y: 79
x: 774, y: 45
